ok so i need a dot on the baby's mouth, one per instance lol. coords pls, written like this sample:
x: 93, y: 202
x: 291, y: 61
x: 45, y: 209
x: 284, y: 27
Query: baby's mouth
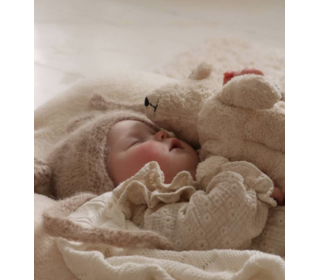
x: 175, y: 144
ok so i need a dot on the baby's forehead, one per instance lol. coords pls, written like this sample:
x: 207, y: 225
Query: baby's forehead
x: 128, y: 128
x: 132, y: 125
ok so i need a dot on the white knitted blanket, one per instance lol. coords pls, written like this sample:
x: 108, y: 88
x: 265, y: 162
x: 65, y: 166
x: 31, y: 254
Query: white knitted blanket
x: 146, y: 264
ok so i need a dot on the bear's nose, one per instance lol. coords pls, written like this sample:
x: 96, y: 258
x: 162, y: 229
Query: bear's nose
x: 146, y: 102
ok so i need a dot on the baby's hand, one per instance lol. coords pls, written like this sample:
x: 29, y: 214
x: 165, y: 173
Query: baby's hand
x: 231, y: 74
x: 278, y: 196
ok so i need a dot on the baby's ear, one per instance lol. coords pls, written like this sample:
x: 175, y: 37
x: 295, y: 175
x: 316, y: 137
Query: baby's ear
x: 42, y: 176
x: 203, y: 71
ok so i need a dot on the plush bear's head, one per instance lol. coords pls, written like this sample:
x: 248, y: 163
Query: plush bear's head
x: 175, y: 106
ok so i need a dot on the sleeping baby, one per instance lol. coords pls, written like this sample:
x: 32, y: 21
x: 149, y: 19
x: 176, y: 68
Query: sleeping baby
x: 133, y: 144
x: 106, y: 151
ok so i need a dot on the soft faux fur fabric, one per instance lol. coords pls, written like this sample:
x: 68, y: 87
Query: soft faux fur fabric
x: 226, y: 53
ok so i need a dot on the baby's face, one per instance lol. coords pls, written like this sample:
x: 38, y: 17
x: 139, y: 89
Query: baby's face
x: 133, y: 144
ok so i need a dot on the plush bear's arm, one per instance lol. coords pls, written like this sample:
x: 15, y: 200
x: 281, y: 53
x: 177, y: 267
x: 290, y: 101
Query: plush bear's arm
x: 251, y: 92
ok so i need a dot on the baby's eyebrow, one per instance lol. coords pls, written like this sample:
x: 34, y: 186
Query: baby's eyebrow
x: 135, y: 133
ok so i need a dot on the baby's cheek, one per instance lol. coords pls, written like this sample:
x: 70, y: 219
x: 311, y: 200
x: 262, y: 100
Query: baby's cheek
x: 150, y: 152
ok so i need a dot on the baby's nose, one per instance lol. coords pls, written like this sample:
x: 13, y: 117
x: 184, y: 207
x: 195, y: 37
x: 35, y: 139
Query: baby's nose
x: 161, y: 135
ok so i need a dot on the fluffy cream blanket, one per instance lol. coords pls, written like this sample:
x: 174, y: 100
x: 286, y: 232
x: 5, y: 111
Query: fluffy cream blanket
x: 229, y: 53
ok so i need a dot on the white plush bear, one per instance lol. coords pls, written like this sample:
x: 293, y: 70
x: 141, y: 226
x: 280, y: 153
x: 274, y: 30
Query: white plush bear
x: 244, y: 122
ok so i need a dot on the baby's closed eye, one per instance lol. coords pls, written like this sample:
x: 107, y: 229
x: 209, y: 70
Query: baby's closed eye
x: 135, y: 143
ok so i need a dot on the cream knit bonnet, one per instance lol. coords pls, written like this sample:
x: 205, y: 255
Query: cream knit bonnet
x: 79, y: 161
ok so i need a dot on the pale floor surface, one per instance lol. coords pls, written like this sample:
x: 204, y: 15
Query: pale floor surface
x: 77, y: 39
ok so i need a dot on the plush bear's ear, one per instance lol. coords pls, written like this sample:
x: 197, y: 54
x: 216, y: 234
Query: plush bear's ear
x: 202, y: 72
x: 251, y: 92
x: 42, y: 176
x: 98, y: 102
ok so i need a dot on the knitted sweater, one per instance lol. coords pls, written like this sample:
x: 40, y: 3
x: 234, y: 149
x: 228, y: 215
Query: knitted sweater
x: 228, y: 214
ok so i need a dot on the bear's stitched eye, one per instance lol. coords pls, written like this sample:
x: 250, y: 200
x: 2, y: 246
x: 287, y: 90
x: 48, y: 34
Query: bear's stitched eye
x: 147, y: 103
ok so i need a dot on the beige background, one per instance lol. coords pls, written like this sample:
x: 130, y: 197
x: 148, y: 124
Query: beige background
x: 77, y: 39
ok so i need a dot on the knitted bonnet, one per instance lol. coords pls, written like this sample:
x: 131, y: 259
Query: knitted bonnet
x: 79, y: 162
